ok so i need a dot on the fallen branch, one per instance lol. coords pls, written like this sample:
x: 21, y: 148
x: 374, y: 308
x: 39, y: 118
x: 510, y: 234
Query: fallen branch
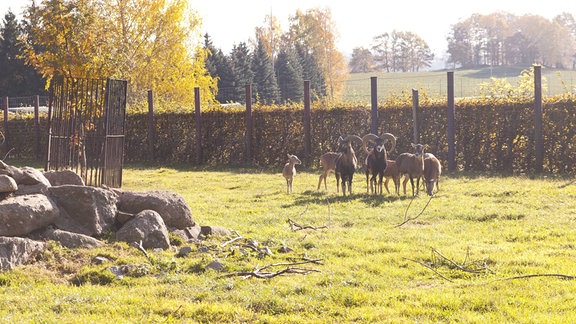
x: 427, y: 266
x: 559, y: 275
x: 268, y: 275
x: 139, y: 247
x: 406, y: 220
x: 257, y: 273
x: 460, y: 267
x: 238, y: 237
x: 297, y: 227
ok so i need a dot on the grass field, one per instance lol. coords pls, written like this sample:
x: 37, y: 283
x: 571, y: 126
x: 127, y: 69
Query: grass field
x: 486, y: 248
x: 434, y: 83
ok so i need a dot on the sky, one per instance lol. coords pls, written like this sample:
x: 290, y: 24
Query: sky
x: 229, y: 22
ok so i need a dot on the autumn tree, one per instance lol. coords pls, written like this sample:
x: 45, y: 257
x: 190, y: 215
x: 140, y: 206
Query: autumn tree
x: 402, y: 51
x: 315, y: 31
x: 154, y: 44
x: 362, y: 60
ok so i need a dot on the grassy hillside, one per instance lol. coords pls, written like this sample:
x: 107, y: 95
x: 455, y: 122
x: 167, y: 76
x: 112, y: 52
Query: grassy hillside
x: 486, y: 248
x: 434, y: 84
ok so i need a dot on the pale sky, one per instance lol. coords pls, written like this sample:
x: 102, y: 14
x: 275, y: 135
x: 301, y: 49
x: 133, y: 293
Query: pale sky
x: 230, y: 22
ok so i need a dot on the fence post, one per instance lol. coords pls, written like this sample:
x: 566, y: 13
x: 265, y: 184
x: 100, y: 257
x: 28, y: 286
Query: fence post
x: 450, y: 119
x: 374, y: 105
x: 6, y: 137
x: 249, y: 123
x: 415, y: 115
x: 538, y: 138
x: 151, y: 125
x: 37, y: 127
x: 307, y: 118
x: 198, y: 118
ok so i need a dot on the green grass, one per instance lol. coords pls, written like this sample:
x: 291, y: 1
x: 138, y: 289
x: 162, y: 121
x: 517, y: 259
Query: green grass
x: 434, y: 83
x: 371, y: 271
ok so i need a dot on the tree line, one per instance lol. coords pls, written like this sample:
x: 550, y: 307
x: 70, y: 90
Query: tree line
x: 155, y: 45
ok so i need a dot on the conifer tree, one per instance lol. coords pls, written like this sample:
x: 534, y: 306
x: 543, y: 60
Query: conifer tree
x: 266, y: 86
x: 290, y: 80
x: 242, y: 70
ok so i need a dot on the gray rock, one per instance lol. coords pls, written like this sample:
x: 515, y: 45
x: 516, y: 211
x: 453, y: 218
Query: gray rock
x: 148, y: 227
x: 172, y: 207
x: 63, y: 177
x: 21, y: 215
x: 88, y: 210
x: 7, y: 184
x: 15, y: 251
x: 72, y: 240
x: 214, y: 230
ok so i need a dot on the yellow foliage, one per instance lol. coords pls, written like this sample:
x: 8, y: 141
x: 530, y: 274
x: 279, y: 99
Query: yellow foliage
x: 154, y: 44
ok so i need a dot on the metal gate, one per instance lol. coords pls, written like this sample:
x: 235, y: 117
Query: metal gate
x: 86, y: 129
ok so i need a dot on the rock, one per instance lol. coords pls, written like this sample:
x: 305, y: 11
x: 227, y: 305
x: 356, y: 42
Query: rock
x: 15, y: 251
x: 189, y: 233
x: 63, y: 177
x: 26, y: 189
x: 215, y: 265
x: 7, y: 184
x: 148, y: 227
x: 88, y: 210
x: 214, y: 230
x: 184, y: 251
x: 21, y: 215
x: 72, y: 240
x: 172, y: 207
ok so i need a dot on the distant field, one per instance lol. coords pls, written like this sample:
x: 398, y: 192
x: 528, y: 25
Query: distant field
x: 434, y: 84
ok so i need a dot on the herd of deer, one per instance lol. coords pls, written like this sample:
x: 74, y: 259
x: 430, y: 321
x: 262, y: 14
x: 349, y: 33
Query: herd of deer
x: 378, y: 167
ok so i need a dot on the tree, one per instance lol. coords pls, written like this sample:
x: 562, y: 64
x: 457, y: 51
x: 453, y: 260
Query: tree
x: 220, y: 67
x: 362, y: 60
x: 312, y: 72
x: 289, y: 71
x: 242, y: 68
x: 264, y: 76
x: 402, y: 51
x: 315, y: 31
x: 17, y: 78
x: 150, y: 43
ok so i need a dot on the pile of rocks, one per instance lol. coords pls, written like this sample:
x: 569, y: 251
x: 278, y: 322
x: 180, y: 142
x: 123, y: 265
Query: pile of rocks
x: 37, y: 206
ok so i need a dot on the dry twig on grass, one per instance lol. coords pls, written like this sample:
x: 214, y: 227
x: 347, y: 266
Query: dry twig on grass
x: 406, y: 220
x: 297, y: 227
x: 257, y: 273
x: 238, y: 237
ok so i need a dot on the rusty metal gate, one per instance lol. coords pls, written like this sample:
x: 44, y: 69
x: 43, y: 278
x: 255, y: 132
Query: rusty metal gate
x: 86, y: 129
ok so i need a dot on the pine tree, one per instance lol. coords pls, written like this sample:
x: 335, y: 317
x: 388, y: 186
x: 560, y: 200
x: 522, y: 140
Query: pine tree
x: 264, y: 77
x: 289, y: 70
x: 312, y: 71
x: 17, y: 78
x: 242, y: 70
x: 220, y: 67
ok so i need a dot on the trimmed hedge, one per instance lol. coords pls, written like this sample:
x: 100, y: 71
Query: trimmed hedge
x: 491, y: 135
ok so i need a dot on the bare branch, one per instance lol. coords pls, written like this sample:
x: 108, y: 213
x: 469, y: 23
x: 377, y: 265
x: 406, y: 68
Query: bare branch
x: 427, y: 266
x: 297, y: 227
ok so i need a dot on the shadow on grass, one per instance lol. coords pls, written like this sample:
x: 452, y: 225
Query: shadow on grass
x: 312, y: 197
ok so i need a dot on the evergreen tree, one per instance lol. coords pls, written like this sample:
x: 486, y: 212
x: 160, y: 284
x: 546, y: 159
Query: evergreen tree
x: 312, y: 71
x: 242, y: 70
x: 289, y: 70
x: 264, y: 77
x: 220, y: 67
x: 17, y: 78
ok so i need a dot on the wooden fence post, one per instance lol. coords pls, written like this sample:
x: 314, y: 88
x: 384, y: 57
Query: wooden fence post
x: 198, y: 118
x: 151, y: 125
x: 538, y: 138
x: 374, y: 105
x: 415, y: 115
x: 249, y: 123
x: 307, y: 118
x: 6, y: 136
x: 450, y: 120
x: 37, y: 127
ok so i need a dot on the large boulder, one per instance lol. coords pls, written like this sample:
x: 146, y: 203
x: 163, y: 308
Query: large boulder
x: 86, y: 210
x: 15, y: 251
x: 146, y: 227
x: 63, y: 177
x: 21, y: 215
x: 172, y: 207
